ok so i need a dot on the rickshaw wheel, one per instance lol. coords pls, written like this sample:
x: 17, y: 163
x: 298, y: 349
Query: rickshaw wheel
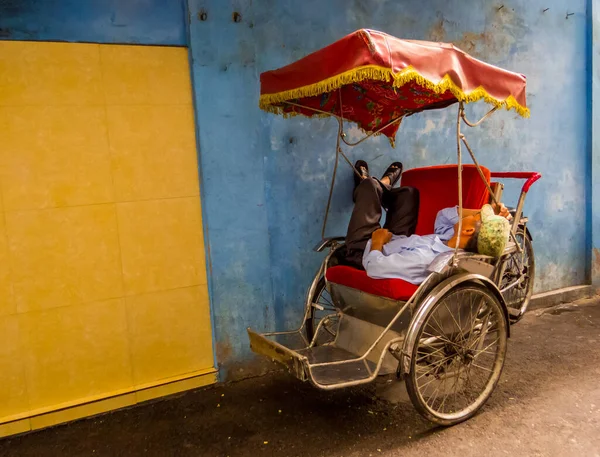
x: 458, y: 355
x: 328, y: 331
x: 520, y: 267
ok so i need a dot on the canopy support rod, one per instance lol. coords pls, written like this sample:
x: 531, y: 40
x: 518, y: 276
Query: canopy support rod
x: 475, y: 124
x: 489, y: 188
x: 342, y: 134
x: 335, y: 165
x: 460, y: 193
x: 310, y: 108
x: 472, y: 154
x: 393, y: 121
x: 338, y: 149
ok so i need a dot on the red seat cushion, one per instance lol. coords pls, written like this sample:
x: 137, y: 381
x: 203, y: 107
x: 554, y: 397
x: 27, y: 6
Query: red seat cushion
x: 438, y: 189
x: 396, y: 289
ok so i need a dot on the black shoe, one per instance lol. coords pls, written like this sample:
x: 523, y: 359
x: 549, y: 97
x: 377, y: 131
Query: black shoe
x: 363, y: 172
x: 393, y: 172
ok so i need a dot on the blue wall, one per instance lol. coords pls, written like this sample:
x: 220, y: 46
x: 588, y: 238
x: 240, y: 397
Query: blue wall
x: 265, y: 179
x: 593, y: 198
x: 158, y: 22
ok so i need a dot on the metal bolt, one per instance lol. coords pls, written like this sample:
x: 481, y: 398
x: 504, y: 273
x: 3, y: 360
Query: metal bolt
x: 237, y: 17
x: 543, y: 11
x: 202, y: 15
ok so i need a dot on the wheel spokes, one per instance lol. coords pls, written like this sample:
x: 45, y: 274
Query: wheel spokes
x: 517, y: 280
x: 457, y: 352
x: 322, y: 308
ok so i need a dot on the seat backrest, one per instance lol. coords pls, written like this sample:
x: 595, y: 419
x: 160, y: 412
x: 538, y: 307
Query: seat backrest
x: 438, y: 189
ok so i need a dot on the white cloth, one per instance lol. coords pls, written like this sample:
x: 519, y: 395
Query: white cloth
x: 407, y: 258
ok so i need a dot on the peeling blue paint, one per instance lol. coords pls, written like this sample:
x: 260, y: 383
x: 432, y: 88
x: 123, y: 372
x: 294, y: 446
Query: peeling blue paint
x: 290, y: 178
x: 233, y: 181
x: 265, y: 179
x: 158, y: 22
x: 593, y: 200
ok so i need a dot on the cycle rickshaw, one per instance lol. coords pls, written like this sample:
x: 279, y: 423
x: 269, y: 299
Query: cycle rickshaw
x: 446, y: 337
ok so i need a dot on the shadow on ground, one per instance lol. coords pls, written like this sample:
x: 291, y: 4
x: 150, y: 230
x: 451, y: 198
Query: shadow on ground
x: 545, y: 404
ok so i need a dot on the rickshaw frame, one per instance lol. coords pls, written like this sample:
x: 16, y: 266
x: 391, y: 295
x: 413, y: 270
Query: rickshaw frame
x: 447, y: 272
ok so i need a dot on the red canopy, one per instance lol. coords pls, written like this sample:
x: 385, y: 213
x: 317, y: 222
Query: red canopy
x: 371, y: 78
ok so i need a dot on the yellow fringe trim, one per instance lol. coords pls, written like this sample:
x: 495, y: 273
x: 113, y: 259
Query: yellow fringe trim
x: 269, y: 102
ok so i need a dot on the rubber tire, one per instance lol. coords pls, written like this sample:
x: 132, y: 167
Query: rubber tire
x: 411, y: 381
x: 528, y: 247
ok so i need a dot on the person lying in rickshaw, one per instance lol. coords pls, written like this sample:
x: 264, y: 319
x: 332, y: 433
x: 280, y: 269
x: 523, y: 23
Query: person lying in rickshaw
x: 394, y: 251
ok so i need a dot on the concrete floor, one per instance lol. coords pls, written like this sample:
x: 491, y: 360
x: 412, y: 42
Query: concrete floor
x: 547, y: 404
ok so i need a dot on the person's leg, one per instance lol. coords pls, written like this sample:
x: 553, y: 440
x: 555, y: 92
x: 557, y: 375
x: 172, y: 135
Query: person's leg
x: 365, y: 219
x: 402, y: 204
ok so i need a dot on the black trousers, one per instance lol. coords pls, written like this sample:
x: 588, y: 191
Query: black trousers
x: 401, y: 204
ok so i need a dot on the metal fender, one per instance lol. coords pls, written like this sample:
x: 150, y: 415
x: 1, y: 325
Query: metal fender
x: 432, y: 298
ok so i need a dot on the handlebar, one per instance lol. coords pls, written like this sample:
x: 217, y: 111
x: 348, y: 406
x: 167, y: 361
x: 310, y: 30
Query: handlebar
x: 530, y: 176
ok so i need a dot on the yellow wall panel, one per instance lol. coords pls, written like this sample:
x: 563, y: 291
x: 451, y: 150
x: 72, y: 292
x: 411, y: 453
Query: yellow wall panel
x: 13, y: 390
x: 75, y: 352
x: 50, y: 74
x: 90, y: 409
x: 64, y: 256
x: 14, y: 428
x: 161, y: 342
x: 161, y: 244
x: 145, y: 75
x: 103, y: 296
x: 7, y: 305
x: 206, y: 378
x: 153, y: 150
x: 54, y: 156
